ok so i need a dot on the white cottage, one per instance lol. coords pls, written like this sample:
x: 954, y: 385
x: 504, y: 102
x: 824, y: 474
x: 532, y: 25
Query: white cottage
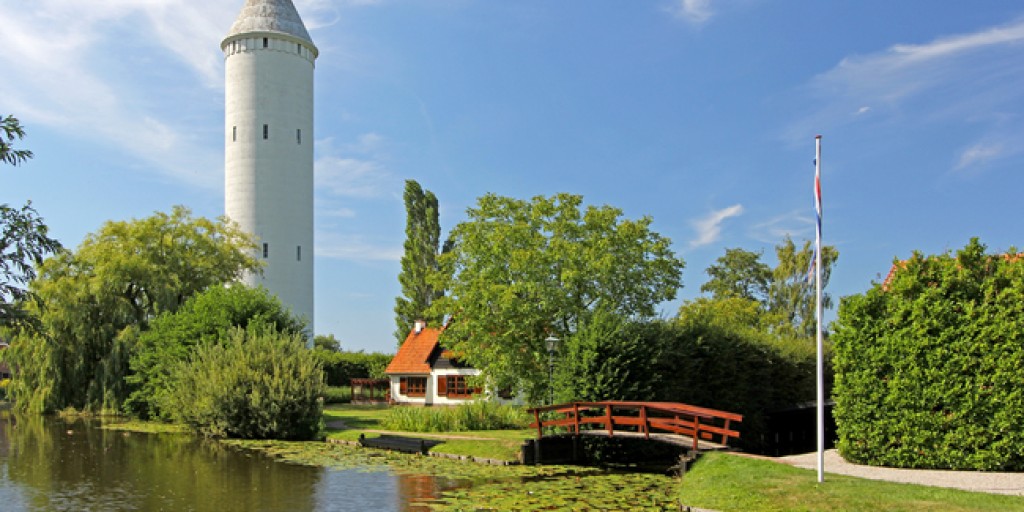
x: 424, y: 373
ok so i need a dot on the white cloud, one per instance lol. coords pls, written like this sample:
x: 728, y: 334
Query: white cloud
x: 980, y: 154
x: 709, y: 228
x: 953, y: 78
x: 693, y: 11
x: 355, y: 248
x: 795, y: 225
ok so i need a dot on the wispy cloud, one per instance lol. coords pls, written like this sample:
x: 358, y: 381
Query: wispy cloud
x: 796, y: 225
x: 950, y: 78
x: 983, y: 153
x: 709, y: 227
x: 356, y: 248
x: 696, y: 12
x: 355, y: 170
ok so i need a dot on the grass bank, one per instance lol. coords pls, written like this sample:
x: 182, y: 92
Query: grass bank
x: 368, y: 420
x: 727, y: 482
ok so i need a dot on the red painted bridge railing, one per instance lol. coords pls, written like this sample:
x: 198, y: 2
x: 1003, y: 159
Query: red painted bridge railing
x: 698, y: 423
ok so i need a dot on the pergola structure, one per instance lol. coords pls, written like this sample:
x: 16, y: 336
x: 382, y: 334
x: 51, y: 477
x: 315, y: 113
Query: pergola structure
x: 368, y: 391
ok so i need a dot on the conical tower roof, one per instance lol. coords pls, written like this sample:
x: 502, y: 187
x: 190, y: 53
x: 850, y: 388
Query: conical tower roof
x: 275, y: 16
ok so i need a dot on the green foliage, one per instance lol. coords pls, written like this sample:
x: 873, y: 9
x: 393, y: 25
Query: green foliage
x: 337, y: 394
x: 204, y: 319
x: 326, y: 342
x: 93, y: 302
x: 784, y: 295
x: 257, y: 384
x: 475, y: 415
x: 792, y: 295
x: 928, y: 365
x: 521, y: 271
x: 423, y: 235
x: 10, y: 129
x: 710, y: 361
x: 24, y: 241
x: 608, y: 358
x: 341, y: 367
x: 739, y: 273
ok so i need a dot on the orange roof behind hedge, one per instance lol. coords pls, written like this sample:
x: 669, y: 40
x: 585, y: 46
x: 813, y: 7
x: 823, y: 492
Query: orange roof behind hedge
x: 414, y: 354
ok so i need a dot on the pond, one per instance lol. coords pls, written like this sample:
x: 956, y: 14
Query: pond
x: 53, y: 464
x: 57, y: 464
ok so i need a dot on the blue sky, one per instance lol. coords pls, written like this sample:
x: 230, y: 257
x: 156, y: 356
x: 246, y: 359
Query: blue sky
x: 699, y: 113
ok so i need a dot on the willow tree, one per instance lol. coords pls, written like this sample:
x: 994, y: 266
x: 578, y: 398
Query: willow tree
x: 521, y: 271
x: 92, y: 300
x: 422, y: 240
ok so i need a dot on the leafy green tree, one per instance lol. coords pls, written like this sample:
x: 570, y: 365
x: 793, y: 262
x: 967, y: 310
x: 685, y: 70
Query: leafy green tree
x: 10, y: 129
x: 93, y: 299
x: 739, y: 273
x: 257, y: 384
x: 327, y: 342
x: 785, y: 294
x: 206, y: 318
x: 24, y: 241
x: 792, y: 294
x: 928, y: 364
x: 521, y: 271
x: 423, y: 235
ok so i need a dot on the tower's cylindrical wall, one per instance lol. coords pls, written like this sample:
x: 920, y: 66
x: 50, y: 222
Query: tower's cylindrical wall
x: 269, y: 159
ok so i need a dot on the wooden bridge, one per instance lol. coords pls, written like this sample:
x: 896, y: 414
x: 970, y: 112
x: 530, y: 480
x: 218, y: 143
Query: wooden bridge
x: 699, y: 427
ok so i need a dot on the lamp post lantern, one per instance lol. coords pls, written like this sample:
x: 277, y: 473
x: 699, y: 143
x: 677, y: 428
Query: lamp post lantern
x: 552, y: 344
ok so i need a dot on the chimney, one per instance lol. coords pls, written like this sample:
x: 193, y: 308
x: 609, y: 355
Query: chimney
x: 418, y: 326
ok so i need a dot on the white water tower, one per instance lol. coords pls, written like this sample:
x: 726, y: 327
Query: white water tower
x: 268, y: 150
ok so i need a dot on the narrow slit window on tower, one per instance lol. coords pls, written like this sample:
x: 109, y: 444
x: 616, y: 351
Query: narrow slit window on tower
x: 266, y: 132
x: 298, y: 136
x: 298, y: 253
x: 266, y: 250
x: 266, y: 42
x: 298, y: 48
x: 234, y: 134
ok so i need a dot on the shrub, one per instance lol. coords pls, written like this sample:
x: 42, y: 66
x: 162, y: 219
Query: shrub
x: 476, y: 415
x: 928, y: 365
x: 257, y: 384
x: 203, y: 319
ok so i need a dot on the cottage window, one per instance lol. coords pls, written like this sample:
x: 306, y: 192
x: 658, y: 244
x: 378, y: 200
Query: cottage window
x: 412, y: 386
x: 454, y: 386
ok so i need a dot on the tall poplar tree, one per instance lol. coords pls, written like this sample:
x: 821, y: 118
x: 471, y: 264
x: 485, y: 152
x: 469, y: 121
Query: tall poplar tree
x: 422, y: 240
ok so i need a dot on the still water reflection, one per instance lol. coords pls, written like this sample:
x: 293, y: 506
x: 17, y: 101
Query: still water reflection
x: 53, y: 464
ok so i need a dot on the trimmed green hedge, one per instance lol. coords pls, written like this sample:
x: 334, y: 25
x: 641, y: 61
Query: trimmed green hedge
x: 341, y: 367
x: 928, y: 365
x: 737, y: 369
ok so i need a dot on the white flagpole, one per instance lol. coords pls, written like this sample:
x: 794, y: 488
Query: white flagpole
x: 817, y: 268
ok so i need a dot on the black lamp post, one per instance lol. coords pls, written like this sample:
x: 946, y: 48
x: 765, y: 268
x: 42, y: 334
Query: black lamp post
x: 552, y: 344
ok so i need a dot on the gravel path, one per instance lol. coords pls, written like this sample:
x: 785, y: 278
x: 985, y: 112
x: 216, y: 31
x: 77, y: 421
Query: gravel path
x: 978, y: 481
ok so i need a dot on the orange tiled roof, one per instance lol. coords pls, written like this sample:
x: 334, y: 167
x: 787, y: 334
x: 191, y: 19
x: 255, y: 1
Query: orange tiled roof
x: 414, y: 354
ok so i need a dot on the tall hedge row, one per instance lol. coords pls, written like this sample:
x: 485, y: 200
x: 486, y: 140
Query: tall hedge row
x: 738, y: 370
x: 928, y: 364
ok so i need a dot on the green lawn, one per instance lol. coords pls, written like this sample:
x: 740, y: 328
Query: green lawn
x: 490, y: 444
x: 728, y: 482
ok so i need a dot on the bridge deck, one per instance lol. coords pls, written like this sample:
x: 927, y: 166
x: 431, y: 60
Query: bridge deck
x: 676, y: 423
